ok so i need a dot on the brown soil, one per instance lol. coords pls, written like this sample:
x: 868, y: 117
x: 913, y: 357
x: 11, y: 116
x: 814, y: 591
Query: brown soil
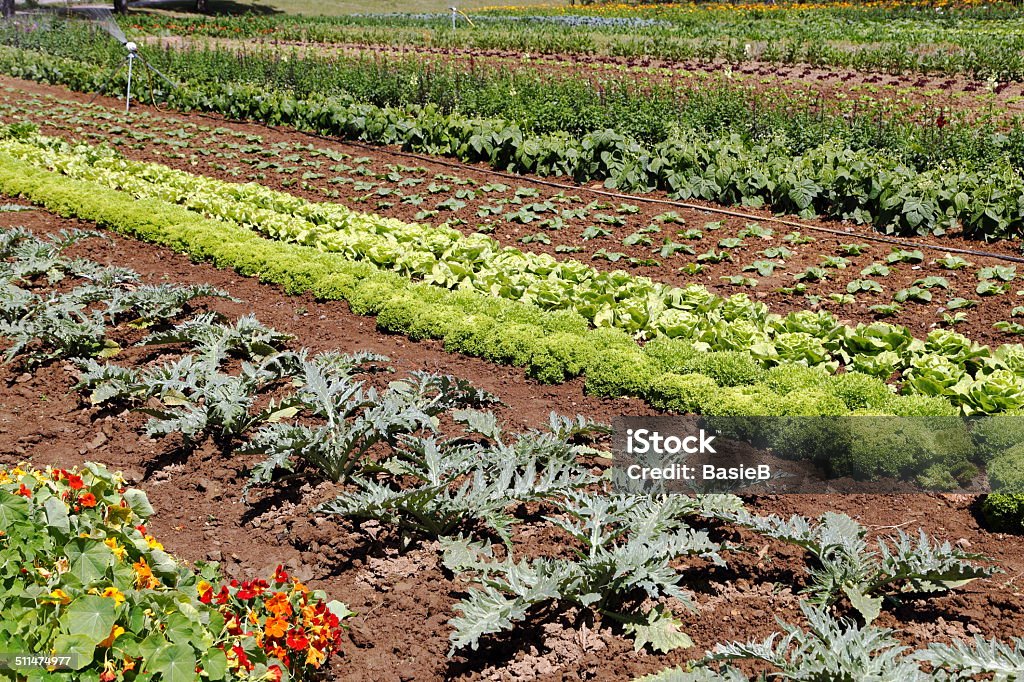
x: 63, y: 113
x: 402, y: 597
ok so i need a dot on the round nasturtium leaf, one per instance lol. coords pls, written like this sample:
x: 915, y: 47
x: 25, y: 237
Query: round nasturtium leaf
x: 174, y: 662
x: 92, y: 616
x: 88, y: 559
x: 13, y: 509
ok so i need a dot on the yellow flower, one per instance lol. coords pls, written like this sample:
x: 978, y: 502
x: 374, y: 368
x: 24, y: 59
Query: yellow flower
x: 60, y: 595
x: 119, y: 551
x: 153, y: 544
x: 114, y: 594
x: 315, y: 657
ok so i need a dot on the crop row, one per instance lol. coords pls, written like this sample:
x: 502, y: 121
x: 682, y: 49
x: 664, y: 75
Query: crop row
x: 974, y: 378
x: 830, y: 179
x: 667, y: 246
x: 423, y: 484
x: 980, y: 42
x: 648, y: 107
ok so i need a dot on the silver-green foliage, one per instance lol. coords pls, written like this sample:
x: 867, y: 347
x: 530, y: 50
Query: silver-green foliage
x: 453, y: 484
x: 352, y: 419
x: 847, y: 566
x: 838, y: 650
x: 829, y: 650
x: 247, y: 338
x: 623, y: 545
x: 964, y: 661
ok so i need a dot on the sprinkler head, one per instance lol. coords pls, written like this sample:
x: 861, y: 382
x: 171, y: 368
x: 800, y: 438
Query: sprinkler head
x: 131, y: 47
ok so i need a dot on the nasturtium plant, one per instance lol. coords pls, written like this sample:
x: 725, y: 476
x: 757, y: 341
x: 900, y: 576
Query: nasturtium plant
x: 81, y: 574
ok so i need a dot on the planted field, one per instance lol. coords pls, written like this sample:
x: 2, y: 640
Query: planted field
x: 354, y: 331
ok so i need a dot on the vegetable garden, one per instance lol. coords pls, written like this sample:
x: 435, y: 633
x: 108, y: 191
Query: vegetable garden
x: 351, y: 324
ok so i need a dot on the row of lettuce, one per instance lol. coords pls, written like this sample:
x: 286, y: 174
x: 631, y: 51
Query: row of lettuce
x: 84, y: 581
x: 677, y: 374
x: 829, y: 179
x: 733, y: 340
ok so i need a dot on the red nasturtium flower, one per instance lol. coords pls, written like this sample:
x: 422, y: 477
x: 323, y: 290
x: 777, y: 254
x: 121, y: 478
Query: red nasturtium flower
x: 24, y: 492
x: 245, y: 593
x: 75, y: 482
x: 243, y: 659
x: 297, y: 640
x: 280, y: 576
x: 275, y: 673
x: 233, y: 626
x: 205, y: 591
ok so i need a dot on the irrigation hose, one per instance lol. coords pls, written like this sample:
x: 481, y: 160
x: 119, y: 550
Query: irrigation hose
x: 666, y: 202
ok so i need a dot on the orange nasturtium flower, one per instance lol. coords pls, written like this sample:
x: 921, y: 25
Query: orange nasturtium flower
x: 87, y: 500
x: 315, y: 657
x: 114, y: 594
x: 115, y: 632
x: 60, y: 595
x: 144, y: 578
x: 275, y: 627
x: 279, y: 605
